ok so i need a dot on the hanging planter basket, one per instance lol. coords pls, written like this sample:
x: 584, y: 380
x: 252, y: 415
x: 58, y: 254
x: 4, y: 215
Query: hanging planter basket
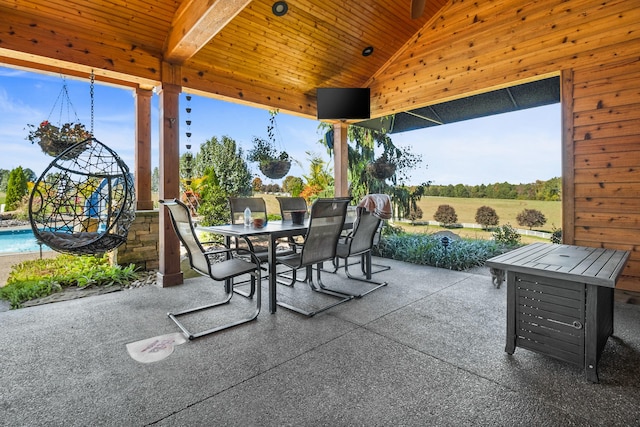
x: 275, y: 169
x: 54, y: 140
x: 381, y: 170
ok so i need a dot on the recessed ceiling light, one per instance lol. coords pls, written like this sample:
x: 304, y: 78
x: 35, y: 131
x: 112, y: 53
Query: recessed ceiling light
x: 280, y: 8
x: 367, y: 51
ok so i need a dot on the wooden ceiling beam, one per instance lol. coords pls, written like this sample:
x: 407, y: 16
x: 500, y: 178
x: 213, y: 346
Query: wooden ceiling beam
x: 196, y: 23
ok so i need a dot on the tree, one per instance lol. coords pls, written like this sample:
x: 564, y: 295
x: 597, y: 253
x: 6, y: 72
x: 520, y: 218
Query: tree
x: 293, y: 185
x: 16, y: 188
x: 213, y: 206
x: 155, y: 180
x: 361, y: 152
x: 4, y: 179
x: 446, y: 215
x: 486, y: 216
x: 256, y: 184
x: 228, y: 164
x: 30, y: 175
x: 531, y: 218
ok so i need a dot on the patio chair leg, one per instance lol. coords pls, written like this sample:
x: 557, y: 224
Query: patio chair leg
x: 381, y: 267
x: 366, y: 261
x: 336, y: 265
x: 320, y: 289
x: 192, y: 335
x: 252, y: 290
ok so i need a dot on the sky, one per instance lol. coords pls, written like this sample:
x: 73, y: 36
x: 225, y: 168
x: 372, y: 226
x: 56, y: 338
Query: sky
x: 518, y: 147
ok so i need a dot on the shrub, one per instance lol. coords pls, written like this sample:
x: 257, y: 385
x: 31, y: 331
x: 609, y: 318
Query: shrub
x: 556, y: 235
x: 506, y: 235
x: 293, y: 185
x: 426, y: 249
x: 446, y: 215
x: 39, y: 278
x: 531, y: 218
x: 486, y: 216
x: 16, y: 188
x: 415, y: 214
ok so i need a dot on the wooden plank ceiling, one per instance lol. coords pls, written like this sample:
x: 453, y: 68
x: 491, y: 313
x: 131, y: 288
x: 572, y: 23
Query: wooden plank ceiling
x: 232, y: 49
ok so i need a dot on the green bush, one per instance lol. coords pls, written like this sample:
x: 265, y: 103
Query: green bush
x: 16, y: 188
x: 426, y: 249
x: 39, y: 278
x: 507, y: 235
x: 556, y: 235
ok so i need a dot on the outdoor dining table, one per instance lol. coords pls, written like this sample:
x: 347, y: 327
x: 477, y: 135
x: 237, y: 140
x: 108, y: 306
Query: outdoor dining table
x: 275, y: 230
x: 560, y: 300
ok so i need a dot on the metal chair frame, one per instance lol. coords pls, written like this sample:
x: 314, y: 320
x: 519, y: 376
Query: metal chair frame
x: 325, y: 225
x: 258, y: 209
x: 366, y: 269
x: 359, y: 242
x: 288, y: 205
x: 219, y: 265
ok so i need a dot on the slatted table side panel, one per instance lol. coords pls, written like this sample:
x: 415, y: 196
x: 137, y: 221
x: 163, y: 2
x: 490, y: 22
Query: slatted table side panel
x: 545, y: 317
x: 604, y: 316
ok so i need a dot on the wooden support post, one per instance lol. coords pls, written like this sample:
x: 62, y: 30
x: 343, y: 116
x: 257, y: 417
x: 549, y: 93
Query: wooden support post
x: 169, y: 246
x: 340, y: 159
x: 143, y: 150
x: 568, y: 162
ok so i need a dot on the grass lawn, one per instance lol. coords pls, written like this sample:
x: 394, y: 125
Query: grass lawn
x: 506, y: 209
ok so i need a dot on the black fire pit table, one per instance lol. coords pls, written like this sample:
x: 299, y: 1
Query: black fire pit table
x: 560, y: 300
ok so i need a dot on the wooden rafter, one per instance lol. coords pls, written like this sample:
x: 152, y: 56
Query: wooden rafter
x: 195, y: 23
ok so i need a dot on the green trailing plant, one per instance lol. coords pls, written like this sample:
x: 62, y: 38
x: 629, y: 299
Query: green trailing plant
x: 40, y: 278
x: 272, y: 163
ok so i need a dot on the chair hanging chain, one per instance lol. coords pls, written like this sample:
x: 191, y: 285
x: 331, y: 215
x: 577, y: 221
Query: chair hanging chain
x: 91, y: 94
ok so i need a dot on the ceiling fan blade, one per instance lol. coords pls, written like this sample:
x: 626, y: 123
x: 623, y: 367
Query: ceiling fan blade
x: 417, y: 8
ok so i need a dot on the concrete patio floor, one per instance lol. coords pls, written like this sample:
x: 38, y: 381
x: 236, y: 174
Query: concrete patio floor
x: 426, y: 350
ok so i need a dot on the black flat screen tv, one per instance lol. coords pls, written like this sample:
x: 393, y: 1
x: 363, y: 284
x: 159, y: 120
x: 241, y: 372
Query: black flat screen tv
x: 338, y: 103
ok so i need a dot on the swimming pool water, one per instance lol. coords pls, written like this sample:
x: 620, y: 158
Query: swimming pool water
x: 12, y: 241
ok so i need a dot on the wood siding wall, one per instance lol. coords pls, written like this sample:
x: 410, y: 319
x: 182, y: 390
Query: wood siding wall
x: 595, y: 47
x: 606, y: 159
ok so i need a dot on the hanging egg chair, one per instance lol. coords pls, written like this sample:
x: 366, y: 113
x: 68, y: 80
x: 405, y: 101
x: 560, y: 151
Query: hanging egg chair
x: 84, y: 202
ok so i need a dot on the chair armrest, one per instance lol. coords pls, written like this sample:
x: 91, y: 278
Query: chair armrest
x: 253, y: 256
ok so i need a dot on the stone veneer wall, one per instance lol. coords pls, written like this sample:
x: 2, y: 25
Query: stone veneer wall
x: 141, y: 247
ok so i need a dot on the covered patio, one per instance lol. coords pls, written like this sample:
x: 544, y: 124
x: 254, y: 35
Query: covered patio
x: 428, y: 349
x: 419, y: 67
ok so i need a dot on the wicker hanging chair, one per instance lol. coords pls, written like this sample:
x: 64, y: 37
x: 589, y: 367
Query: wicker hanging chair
x: 83, y: 203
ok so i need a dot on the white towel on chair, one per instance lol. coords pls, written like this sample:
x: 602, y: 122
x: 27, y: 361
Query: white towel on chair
x: 378, y: 204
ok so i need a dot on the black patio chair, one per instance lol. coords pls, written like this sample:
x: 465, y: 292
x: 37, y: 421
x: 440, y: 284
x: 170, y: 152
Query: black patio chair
x: 360, y: 242
x: 325, y: 225
x: 259, y: 245
x: 258, y: 208
x: 290, y: 207
x: 219, y: 264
